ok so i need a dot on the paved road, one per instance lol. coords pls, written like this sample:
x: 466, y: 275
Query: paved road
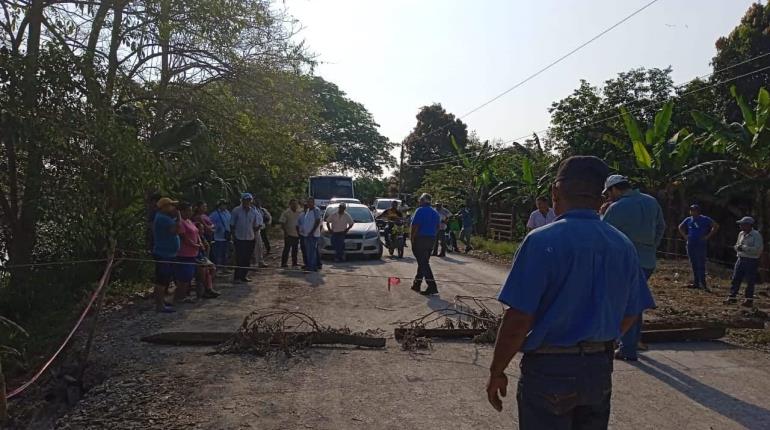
x: 674, y: 386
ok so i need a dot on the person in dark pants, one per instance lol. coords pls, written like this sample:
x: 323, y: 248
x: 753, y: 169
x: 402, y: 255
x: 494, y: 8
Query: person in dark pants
x: 245, y: 221
x: 166, y: 227
x: 640, y: 218
x: 574, y: 287
x: 339, y: 223
x: 288, y: 221
x: 697, y: 229
x: 441, y: 236
x: 310, y: 229
x: 425, y: 223
x: 268, y: 219
x: 749, y: 249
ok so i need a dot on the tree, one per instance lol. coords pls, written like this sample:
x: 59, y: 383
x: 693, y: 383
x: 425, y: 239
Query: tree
x: 369, y: 188
x: 430, y: 141
x: 748, y: 39
x: 581, y: 121
x: 745, y: 151
x: 350, y: 131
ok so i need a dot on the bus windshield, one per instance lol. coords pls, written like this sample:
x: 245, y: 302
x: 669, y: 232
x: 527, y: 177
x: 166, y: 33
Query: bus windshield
x: 327, y: 187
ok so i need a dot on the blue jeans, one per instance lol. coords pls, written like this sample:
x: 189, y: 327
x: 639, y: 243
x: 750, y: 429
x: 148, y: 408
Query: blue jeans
x: 219, y: 252
x: 629, y: 342
x: 745, y: 268
x: 338, y: 243
x: 311, y: 253
x: 697, y: 253
x: 565, y: 391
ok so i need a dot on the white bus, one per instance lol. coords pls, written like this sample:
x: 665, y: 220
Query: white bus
x: 324, y: 188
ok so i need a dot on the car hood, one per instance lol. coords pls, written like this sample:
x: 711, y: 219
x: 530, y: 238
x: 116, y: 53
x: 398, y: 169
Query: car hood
x: 359, y: 227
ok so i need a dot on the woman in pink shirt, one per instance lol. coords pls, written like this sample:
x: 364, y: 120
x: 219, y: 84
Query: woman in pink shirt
x: 190, y: 247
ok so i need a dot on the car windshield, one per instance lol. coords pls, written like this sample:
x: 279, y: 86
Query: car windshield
x: 359, y: 214
x: 385, y: 204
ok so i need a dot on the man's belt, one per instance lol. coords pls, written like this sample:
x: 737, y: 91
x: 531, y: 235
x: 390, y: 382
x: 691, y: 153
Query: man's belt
x: 580, y: 348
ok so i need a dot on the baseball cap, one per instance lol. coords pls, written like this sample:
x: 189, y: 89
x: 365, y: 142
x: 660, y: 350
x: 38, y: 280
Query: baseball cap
x: 613, y: 180
x: 746, y: 220
x: 695, y: 207
x: 165, y: 201
x: 247, y: 196
x: 426, y: 197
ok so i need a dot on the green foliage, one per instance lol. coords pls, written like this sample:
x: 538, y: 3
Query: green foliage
x: 369, y: 188
x: 501, y: 249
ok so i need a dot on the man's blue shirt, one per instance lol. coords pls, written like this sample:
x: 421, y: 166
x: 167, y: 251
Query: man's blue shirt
x: 640, y: 218
x: 697, y: 227
x: 221, y: 220
x: 427, y: 220
x: 467, y: 217
x: 166, y: 242
x: 579, y: 277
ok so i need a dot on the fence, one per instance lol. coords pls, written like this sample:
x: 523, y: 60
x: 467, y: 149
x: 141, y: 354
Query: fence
x: 500, y: 226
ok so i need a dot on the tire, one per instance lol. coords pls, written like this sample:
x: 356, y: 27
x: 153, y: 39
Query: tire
x: 378, y: 255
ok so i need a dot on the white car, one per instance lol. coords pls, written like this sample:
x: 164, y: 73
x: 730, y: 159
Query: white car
x: 362, y: 239
x: 381, y: 205
x: 345, y: 200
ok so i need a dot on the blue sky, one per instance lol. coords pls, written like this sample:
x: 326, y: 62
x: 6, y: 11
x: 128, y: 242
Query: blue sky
x: 397, y: 55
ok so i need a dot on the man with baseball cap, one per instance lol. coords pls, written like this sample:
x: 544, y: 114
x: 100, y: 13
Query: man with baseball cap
x: 749, y: 248
x: 640, y: 218
x: 697, y: 229
x: 575, y: 286
x: 166, y: 228
x: 245, y: 222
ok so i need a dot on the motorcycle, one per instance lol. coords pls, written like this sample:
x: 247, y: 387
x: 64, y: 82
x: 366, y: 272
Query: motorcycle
x: 395, y: 239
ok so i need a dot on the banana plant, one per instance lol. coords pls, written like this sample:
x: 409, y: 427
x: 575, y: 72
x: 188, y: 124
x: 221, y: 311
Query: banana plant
x: 658, y: 155
x: 745, y: 148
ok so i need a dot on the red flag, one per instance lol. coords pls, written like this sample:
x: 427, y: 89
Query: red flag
x: 393, y: 281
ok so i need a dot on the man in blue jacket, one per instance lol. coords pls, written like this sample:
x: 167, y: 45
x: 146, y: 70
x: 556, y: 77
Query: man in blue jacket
x: 640, y: 218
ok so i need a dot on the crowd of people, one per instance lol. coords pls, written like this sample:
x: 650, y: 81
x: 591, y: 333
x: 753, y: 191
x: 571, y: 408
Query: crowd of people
x: 191, y: 245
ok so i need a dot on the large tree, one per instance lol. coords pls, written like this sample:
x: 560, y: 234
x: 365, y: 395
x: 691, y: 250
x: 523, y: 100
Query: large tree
x: 350, y: 131
x: 748, y: 39
x: 430, y: 143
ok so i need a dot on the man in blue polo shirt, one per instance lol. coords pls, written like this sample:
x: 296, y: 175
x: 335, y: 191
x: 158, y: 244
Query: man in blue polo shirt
x: 574, y: 287
x: 697, y: 229
x: 425, y: 222
x: 640, y: 218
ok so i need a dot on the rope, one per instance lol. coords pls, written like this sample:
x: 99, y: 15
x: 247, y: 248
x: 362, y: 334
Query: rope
x: 102, y: 282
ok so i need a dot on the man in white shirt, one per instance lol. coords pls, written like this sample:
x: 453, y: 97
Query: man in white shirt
x: 339, y: 223
x: 749, y: 248
x: 444, y: 214
x: 288, y: 221
x: 541, y: 216
x: 309, y: 228
x: 245, y: 223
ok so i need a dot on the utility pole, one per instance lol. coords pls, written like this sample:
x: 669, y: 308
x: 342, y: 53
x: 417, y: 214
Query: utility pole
x: 401, y: 173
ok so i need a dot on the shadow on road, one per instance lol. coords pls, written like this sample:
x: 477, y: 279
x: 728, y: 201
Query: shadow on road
x: 746, y: 414
x: 715, y: 345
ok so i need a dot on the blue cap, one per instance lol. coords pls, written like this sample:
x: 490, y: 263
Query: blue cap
x: 247, y: 196
x: 695, y: 207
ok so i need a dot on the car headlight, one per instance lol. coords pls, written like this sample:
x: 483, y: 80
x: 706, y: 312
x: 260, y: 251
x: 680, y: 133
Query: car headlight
x: 370, y: 235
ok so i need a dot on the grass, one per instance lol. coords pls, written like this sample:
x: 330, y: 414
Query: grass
x: 498, y: 248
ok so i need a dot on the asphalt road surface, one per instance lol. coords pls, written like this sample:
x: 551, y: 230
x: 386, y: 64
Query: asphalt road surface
x: 674, y: 386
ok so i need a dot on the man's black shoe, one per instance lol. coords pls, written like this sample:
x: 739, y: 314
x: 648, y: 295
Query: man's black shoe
x: 210, y: 294
x: 429, y: 292
x: 246, y: 279
x: 416, y: 287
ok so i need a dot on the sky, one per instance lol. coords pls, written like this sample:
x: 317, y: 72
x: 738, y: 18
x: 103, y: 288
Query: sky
x: 394, y: 56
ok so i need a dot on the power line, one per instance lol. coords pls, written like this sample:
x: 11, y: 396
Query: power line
x: 454, y: 158
x: 540, y: 71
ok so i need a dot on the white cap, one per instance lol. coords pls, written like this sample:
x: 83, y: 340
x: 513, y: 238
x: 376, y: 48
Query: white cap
x: 613, y: 180
x: 746, y: 220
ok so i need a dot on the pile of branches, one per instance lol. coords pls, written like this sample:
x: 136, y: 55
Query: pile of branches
x: 269, y: 331
x: 478, y: 315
